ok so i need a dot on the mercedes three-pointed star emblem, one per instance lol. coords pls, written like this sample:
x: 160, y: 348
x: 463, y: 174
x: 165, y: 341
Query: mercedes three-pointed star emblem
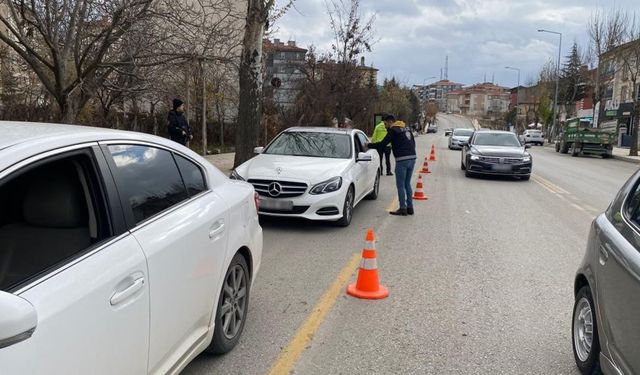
x: 275, y: 189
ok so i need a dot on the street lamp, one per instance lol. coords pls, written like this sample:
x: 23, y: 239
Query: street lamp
x: 517, y: 93
x: 555, y: 102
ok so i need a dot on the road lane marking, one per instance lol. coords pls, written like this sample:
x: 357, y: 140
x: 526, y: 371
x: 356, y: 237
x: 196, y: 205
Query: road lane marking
x: 298, y: 344
x: 552, y: 185
x: 578, y: 207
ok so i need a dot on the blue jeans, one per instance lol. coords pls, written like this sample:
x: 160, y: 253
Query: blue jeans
x: 404, y: 172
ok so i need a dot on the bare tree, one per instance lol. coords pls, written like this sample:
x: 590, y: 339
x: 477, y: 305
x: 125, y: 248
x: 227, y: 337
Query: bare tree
x: 69, y: 45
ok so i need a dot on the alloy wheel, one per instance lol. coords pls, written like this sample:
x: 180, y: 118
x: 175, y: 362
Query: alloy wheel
x: 583, y: 329
x: 235, y: 301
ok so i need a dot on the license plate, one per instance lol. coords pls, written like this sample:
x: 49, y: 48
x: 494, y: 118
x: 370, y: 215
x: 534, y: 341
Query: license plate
x: 276, y: 204
x: 501, y: 167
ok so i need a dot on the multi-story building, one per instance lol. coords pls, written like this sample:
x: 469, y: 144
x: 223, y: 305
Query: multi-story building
x: 437, y: 92
x: 283, y: 63
x: 479, y: 100
x: 616, y: 107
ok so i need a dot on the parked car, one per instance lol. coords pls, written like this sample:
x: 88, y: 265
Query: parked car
x: 448, y: 132
x: 532, y: 136
x: 313, y: 173
x: 433, y: 128
x: 459, y: 138
x: 120, y: 253
x: 605, y: 324
x: 494, y: 152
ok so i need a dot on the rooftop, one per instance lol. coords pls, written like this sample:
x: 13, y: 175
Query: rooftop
x: 279, y: 46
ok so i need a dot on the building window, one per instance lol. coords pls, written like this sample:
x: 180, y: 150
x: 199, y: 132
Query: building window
x: 624, y: 92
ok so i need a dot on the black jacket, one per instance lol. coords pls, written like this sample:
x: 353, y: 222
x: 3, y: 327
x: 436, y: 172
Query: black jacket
x: 179, y: 130
x: 402, y: 142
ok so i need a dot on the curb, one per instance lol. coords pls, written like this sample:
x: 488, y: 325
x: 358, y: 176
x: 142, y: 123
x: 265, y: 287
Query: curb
x: 627, y: 159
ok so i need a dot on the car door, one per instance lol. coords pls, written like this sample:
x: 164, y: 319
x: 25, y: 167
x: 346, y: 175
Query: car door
x: 182, y: 228
x: 373, y: 167
x: 618, y: 285
x: 360, y: 170
x: 71, y: 257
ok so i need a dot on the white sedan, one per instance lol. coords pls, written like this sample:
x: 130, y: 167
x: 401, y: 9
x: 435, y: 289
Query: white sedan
x: 120, y: 253
x: 313, y: 173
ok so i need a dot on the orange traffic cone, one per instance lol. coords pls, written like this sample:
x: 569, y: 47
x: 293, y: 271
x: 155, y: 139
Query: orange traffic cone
x: 425, y: 166
x: 367, y: 286
x: 419, y: 194
x: 432, y: 157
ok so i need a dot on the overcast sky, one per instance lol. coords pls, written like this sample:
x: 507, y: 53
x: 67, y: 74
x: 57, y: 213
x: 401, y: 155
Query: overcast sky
x: 479, y: 36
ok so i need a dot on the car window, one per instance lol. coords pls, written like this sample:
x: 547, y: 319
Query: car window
x: 192, y: 175
x: 496, y: 139
x: 311, y: 144
x: 148, y: 178
x: 360, y: 142
x: 50, y: 212
x: 363, y: 139
x: 633, y: 206
x: 463, y: 132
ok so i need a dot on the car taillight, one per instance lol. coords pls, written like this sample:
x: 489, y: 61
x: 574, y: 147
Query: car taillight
x: 256, y: 200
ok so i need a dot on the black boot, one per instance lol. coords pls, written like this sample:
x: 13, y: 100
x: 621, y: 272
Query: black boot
x: 389, y: 173
x: 410, y: 210
x: 399, y: 212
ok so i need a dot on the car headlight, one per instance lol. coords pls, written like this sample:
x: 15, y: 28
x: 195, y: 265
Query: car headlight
x: 235, y: 176
x: 476, y: 157
x: 526, y: 158
x: 328, y: 186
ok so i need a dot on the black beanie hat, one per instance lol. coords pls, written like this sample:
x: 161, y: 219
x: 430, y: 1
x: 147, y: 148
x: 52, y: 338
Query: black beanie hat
x: 177, y: 103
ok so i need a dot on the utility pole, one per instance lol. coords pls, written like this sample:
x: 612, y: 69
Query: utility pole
x: 555, y: 101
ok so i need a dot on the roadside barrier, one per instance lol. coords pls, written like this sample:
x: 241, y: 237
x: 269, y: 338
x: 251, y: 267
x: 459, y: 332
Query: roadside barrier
x: 418, y: 194
x: 367, y: 286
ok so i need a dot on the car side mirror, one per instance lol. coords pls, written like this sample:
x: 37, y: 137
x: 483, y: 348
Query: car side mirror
x: 18, y: 320
x: 527, y: 146
x: 363, y: 156
x: 258, y: 150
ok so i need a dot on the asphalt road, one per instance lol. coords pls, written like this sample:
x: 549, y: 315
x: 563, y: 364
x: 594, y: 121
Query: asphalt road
x: 480, y: 278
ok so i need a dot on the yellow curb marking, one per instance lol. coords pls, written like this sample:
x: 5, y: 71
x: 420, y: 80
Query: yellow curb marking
x: 290, y: 355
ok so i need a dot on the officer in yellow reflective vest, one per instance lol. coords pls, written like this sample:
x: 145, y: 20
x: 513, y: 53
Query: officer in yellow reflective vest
x: 379, y: 133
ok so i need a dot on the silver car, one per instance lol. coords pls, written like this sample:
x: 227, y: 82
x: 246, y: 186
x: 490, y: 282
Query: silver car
x: 606, y: 312
x: 532, y: 136
x: 459, y: 138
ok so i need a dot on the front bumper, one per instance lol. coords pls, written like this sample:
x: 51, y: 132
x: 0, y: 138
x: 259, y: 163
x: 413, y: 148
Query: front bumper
x: 326, y: 207
x: 500, y: 169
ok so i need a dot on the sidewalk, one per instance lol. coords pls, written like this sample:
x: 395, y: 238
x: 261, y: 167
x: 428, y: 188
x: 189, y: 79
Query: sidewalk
x: 618, y: 153
x: 224, y: 162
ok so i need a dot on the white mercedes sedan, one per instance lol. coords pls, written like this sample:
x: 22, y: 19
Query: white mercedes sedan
x: 313, y: 173
x: 120, y: 252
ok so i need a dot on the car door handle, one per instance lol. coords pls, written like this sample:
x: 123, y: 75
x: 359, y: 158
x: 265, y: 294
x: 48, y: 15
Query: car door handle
x: 604, y: 255
x: 216, y: 229
x: 123, y: 295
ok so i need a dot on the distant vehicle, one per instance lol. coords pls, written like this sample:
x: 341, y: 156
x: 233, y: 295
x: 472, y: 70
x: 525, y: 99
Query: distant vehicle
x: 448, y: 132
x: 580, y: 138
x: 313, y: 173
x: 448, y: 112
x: 496, y: 152
x: 433, y: 128
x: 605, y: 324
x: 532, y: 137
x: 120, y: 252
x: 459, y: 138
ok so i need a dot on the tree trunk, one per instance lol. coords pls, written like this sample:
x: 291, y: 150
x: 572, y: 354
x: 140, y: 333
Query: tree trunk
x: 250, y: 105
x: 69, y: 109
x: 204, y: 109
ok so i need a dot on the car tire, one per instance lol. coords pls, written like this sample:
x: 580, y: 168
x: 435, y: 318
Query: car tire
x: 564, y: 147
x: 225, y: 339
x: 376, y: 189
x: 468, y: 173
x: 347, y: 209
x: 587, y: 359
x: 557, y: 147
x: 462, y: 166
x: 526, y: 178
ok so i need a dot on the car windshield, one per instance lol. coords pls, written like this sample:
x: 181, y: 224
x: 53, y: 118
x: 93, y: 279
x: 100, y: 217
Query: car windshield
x: 496, y: 139
x: 463, y: 132
x: 312, y: 144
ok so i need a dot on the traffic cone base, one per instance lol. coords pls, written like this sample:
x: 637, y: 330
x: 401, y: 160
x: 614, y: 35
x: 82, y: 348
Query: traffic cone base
x: 381, y: 293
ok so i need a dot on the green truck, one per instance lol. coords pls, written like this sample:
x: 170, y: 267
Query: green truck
x: 580, y: 138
